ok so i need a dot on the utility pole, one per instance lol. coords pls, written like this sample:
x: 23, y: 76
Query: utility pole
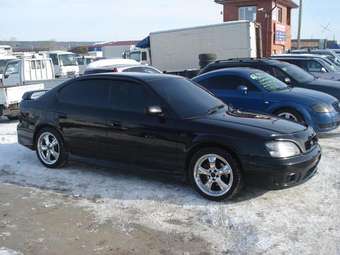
x: 299, y: 27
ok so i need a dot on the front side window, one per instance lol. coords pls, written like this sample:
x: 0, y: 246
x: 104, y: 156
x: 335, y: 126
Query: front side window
x: 68, y: 60
x: 12, y: 68
x: 129, y: 97
x: 247, y: 13
x: 226, y: 82
x: 89, y: 93
x: 314, y: 66
x: 54, y: 58
x: 3, y: 64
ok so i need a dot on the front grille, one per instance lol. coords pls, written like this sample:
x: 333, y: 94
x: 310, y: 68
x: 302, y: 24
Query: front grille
x: 311, y: 143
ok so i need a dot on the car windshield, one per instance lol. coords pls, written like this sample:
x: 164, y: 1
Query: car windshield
x: 186, y: 98
x: 68, y: 60
x: 268, y: 82
x: 3, y: 64
x: 135, y: 55
x: 296, y: 73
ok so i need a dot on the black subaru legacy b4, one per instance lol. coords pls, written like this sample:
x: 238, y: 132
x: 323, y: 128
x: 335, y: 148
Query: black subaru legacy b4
x: 166, y: 124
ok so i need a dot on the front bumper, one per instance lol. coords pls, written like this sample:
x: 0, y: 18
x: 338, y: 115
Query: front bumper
x: 281, y: 173
x: 325, y: 122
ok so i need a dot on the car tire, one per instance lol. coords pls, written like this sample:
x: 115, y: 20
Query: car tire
x: 290, y: 114
x: 50, y: 148
x: 215, y: 168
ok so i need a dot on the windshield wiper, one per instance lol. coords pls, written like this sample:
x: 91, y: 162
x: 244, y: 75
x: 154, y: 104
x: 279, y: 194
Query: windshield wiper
x: 215, y: 109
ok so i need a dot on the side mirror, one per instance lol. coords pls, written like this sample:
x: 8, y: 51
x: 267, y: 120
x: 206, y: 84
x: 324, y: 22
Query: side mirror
x: 155, y: 111
x: 243, y: 89
x: 287, y: 80
x: 323, y: 70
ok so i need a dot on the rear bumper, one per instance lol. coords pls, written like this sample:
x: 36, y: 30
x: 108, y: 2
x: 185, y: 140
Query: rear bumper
x: 281, y: 173
x: 25, y: 137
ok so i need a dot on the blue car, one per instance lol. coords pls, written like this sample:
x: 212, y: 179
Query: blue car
x: 253, y: 90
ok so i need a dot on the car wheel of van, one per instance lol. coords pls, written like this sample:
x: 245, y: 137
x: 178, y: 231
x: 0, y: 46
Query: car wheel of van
x: 290, y: 114
x: 215, y: 174
x: 50, y: 148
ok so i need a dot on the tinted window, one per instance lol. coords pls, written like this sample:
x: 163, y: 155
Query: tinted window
x: 92, y: 93
x: 313, y: 66
x: 130, y: 97
x: 296, y: 73
x: 228, y: 82
x: 185, y: 97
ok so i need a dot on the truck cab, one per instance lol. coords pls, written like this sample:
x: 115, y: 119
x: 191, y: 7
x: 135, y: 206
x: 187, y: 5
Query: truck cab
x: 3, y: 62
x: 65, y: 64
x: 142, y: 56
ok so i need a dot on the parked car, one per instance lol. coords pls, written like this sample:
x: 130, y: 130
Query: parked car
x: 288, y: 73
x: 123, y: 68
x: 253, y: 90
x: 83, y: 62
x: 329, y: 52
x: 166, y: 124
x: 317, y: 65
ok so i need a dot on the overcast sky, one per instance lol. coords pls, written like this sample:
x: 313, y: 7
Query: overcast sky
x: 110, y: 20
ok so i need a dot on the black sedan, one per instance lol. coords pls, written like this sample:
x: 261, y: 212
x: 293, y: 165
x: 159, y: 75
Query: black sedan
x: 166, y: 124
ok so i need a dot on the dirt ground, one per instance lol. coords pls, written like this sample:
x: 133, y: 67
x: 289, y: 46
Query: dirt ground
x: 87, y: 209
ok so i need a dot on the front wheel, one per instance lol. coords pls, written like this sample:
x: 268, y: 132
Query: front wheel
x: 290, y: 114
x: 50, y: 148
x: 215, y: 174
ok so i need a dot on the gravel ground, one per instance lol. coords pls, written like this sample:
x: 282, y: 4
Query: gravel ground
x: 109, y: 211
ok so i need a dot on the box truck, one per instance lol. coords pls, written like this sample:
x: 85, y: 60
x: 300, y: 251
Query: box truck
x: 176, y: 51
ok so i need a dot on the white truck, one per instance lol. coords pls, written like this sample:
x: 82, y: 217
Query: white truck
x: 65, y: 64
x: 5, y: 50
x: 175, y: 51
x: 21, y: 76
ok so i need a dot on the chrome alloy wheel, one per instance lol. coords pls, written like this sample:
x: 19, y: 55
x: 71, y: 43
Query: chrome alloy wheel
x: 213, y: 175
x: 288, y: 116
x: 48, y: 148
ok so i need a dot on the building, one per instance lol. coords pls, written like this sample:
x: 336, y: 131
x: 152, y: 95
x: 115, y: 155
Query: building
x: 315, y: 44
x: 274, y: 16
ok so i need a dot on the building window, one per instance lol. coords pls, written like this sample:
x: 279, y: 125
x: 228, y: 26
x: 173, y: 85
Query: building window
x: 247, y: 13
x: 279, y: 14
x: 288, y: 16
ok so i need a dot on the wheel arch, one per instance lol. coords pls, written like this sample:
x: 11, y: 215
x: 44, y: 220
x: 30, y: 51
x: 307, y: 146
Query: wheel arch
x: 41, y: 126
x: 297, y: 108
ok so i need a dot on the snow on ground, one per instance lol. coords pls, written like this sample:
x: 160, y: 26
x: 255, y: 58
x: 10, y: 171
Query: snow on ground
x: 304, y: 219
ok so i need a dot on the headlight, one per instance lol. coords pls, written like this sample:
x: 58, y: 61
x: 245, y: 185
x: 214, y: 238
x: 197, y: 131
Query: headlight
x: 282, y: 149
x: 322, y: 108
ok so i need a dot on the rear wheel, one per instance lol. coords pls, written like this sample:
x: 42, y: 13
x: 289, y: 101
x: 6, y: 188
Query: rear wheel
x: 290, y: 114
x: 215, y: 174
x: 50, y: 148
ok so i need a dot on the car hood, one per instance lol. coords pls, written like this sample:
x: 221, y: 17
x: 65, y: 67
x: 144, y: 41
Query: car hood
x: 266, y: 123
x: 301, y: 95
x: 335, y: 76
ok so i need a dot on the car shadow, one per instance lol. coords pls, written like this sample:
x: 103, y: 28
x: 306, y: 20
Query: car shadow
x: 4, y: 120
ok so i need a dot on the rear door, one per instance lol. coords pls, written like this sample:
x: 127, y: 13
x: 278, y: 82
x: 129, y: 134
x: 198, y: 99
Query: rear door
x: 82, y: 110
x: 228, y: 89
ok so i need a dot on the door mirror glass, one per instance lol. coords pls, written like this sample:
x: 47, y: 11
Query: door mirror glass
x: 155, y: 110
x: 243, y: 89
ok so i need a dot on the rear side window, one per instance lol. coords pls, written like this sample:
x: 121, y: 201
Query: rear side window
x: 314, y: 66
x: 227, y: 82
x: 90, y: 93
x: 130, y: 97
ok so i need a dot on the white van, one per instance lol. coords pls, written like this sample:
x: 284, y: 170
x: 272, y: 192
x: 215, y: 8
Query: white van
x: 65, y: 64
x: 21, y: 76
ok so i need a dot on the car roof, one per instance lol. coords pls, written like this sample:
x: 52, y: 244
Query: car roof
x: 242, y: 71
x: 145, y: 77
x: 300, y: 56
